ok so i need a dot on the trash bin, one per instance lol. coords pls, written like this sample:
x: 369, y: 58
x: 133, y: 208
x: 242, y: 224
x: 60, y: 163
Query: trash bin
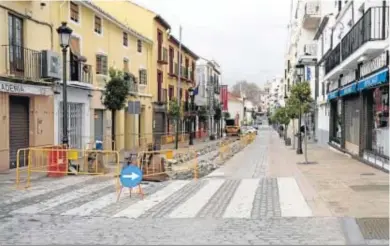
x: 98, y: 145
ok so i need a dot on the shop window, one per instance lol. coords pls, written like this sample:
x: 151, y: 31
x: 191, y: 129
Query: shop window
x: 380, y: 131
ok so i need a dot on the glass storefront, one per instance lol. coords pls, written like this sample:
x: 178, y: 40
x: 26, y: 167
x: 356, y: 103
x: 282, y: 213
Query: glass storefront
x: 380, y: 117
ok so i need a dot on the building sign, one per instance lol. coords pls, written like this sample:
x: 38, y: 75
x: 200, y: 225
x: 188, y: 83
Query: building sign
x: 348, y: 90
x: 348, y: 78
x: 16, y: 88
x: 380, y: 77
x: 374, y: 64
x: 224, y: 97
x: 333, y: 95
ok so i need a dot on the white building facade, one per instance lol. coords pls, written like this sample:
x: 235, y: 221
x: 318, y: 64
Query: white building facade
x: 208, y: 79
x: 347, y: 65
x: 236, y: 108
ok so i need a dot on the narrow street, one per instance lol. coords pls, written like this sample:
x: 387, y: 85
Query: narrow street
x: 259, y: 196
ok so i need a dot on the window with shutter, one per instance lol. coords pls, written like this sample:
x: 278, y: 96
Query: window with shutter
x: 125, y: 39
x: 101, y: 64
x: 143, y: 76
x: 98, y: 24
x: 139, y: 46
x: 74, y: 12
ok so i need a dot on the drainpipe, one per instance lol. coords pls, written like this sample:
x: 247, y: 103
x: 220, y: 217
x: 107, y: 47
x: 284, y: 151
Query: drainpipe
x: 33, y: 20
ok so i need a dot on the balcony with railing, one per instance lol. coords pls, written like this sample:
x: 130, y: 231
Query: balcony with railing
x: 361, y: 39
x: 21, y: 63
x: 312, y: 16
x: 162, y: 56
x: 80, y: 72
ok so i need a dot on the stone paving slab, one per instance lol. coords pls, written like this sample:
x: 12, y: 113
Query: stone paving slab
x: 46, y: 230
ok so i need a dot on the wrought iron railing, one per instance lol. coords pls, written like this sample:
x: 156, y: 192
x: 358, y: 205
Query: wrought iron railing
x: 22, y: 63
x: 80, y: 72
x: 372, y: 26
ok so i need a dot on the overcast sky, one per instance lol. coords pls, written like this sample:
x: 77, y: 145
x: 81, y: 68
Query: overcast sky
x: 246, y: 37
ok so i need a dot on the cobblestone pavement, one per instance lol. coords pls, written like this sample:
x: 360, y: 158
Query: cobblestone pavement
x: 49, y: 229
x: 237, y: 204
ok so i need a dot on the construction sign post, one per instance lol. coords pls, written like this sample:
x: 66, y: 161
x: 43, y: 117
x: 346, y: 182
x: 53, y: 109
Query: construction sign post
x: 130, y: 177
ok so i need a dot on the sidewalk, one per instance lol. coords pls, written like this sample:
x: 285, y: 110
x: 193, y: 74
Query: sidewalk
x: 337, y: 185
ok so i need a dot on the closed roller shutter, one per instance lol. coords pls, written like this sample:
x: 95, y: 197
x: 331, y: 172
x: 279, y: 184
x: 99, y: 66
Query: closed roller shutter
x: 159, y: 127
x: 352, y: 124
x: 19, y: 128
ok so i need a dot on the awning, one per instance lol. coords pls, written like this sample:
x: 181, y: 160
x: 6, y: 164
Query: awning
x: 333, y: 95
x: 378, y: 78
x: 350, y: 89
x: 74, y: 44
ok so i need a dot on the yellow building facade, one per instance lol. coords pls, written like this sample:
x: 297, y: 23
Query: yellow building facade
x: 26, y: 97
x: 106, y: 43
x: 31, y: 76
x: 164, y: 66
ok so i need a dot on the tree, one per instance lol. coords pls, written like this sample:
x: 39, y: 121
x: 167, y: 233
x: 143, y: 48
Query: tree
x: 226, y: 115
x: 281, y: 117
x: 114, y: 96
x: 251, y: 91
x: 174, y: 109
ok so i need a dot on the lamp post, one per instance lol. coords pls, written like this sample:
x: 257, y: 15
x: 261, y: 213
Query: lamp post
x: 64, y: 33
x: 300, y: 72
x: 192, y: 117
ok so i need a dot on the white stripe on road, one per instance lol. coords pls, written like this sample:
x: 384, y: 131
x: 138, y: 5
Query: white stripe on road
x: 58, y: 200
x: 242, y: 202
x: 192, y: 206
x: 292, y: 202
x: 45, y: 187
x: 95, y: 205
x: 137, y: 209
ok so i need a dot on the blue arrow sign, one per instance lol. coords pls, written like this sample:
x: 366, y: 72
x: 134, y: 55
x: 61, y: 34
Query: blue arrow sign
x: 131, y: 176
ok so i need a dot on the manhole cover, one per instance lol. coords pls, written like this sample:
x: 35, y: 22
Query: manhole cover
x: 369, y: 187
x: 367, y: 174
x: 374, y: 228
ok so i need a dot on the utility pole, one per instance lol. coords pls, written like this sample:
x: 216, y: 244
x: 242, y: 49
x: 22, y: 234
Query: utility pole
x: 178, y: 94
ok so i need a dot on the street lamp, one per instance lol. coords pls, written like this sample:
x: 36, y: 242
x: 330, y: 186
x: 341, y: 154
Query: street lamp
x: 300, y: 73
x: 64, y: 33
x: 192, y: 117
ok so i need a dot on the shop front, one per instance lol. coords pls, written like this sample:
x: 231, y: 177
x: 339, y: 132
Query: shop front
x: 375, y: 91
x: 79, y: 115
x: 350, y: 99
x: 335, y: 115
x: 26, y: 119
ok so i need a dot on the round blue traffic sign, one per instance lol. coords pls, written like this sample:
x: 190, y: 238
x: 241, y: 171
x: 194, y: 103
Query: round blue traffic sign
x: 131, y: 176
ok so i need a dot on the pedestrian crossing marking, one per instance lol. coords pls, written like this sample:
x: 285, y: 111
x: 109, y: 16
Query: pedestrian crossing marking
x: 292, y: 202
x: 137, y: 209
x: 63, y: 198
x: 90, y: 200
x: 242, y: 202
x: 54, y: 185
x: 194, y: 204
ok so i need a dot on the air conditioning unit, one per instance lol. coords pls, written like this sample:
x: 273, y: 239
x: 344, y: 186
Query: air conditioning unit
x: 51, y: 65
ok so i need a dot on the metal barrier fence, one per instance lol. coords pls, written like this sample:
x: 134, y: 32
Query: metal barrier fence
x: 171, y: 138
x: 225, y: 149
x: 58, y: 161
x: 160, y: 165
